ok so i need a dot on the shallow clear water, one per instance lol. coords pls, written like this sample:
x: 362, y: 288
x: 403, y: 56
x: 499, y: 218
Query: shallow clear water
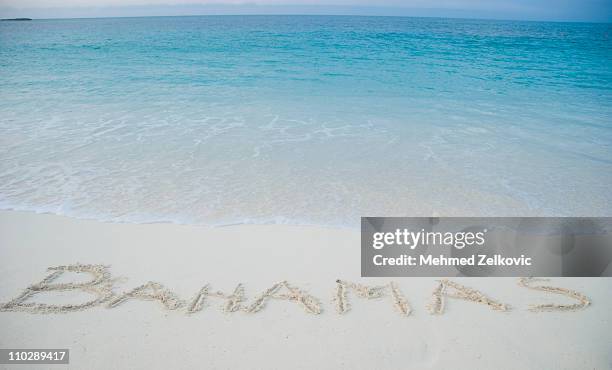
x: 308, y: 120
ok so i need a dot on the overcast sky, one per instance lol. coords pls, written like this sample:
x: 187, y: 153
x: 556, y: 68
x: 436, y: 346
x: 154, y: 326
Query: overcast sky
x: 572, y: 10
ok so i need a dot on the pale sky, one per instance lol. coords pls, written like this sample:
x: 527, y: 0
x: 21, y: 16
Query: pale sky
x: 571, y: 10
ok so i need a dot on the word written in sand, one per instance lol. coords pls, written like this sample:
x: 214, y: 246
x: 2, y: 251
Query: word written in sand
x: 101, y: 287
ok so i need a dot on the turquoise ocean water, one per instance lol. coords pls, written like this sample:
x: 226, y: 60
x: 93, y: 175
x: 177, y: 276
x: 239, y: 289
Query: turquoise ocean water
x: 306, y: 120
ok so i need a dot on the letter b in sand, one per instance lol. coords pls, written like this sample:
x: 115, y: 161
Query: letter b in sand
x: 100, y: 286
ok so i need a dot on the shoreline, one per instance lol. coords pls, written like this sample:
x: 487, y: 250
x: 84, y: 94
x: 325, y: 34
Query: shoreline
x: 161, y: 221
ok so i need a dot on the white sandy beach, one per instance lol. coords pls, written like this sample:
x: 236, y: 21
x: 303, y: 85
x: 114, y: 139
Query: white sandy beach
x: 372, y: 335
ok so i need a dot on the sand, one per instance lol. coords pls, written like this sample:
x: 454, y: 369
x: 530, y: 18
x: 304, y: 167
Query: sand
x: 162, y: 296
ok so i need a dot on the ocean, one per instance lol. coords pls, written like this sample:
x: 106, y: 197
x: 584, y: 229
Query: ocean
x: 309, y: 120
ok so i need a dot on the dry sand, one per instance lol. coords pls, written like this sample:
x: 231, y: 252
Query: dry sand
x: 275, y: 297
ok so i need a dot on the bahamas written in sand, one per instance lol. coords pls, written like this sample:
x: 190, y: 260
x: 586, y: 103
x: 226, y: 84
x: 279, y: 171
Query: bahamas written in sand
x: 102, y: 284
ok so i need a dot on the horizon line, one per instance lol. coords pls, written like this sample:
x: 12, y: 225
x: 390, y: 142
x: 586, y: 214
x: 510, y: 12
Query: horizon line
x: 311, y: 15
x: 189, y: 10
